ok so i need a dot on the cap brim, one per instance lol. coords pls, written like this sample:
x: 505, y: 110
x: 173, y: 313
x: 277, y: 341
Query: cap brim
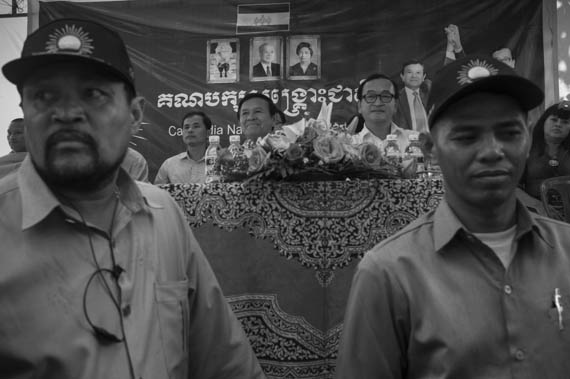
x: 18, y: 70
x: 525, y: 92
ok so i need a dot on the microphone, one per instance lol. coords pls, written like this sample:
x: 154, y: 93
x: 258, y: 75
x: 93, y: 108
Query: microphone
x: 117, y: 270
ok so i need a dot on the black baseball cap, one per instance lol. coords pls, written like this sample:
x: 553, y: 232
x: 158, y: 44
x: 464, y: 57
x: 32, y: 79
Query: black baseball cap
x: 479, y: 73
x: 67, y: 40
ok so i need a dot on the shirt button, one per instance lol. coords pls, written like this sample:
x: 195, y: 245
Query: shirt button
x: 519, y: 355
x: 508, y: 289
x: 126, y: 310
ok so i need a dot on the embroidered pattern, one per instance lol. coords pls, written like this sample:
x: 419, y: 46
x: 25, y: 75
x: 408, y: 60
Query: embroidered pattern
x: 322, y: 225
x: 475, y: 69
x: 286, y: 346
x: 70, y: 39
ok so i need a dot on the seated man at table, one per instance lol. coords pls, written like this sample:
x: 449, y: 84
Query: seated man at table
x: 256, y: 115
x: 17, y: 141
x: 377, y: 97
x: 479, y: 287
x: 188, y: 166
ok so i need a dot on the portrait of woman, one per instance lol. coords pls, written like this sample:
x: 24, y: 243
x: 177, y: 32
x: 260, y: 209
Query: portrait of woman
x: 304, y: 58
x: 550, y: 149
x: 305, y: 67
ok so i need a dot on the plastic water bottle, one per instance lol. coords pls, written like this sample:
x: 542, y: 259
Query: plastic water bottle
x: 240, y: 160
x: 414, y: 151
x: 392, y: 150
x: 211, y: 158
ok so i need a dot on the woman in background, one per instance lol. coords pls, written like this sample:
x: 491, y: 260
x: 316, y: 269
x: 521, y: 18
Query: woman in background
x: 305, y: 67
x: 550, y: 149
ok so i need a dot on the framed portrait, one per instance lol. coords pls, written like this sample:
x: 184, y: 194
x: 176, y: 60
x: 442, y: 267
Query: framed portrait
x: 304, y: 57
x: 223, y: 60
x: 265, y: 58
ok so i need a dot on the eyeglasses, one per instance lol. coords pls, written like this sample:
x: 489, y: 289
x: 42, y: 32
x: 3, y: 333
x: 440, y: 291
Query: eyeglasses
x: 385, y: 97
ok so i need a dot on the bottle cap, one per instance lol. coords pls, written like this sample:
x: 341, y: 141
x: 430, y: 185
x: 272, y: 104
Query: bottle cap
x: 214, y: 139
x: 391, y: 137
x: 235, y: 138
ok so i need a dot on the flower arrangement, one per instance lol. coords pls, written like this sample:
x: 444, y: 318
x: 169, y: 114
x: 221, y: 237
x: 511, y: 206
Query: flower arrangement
x: 307, y: 149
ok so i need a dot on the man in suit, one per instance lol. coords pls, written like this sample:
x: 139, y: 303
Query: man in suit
x: 410, y: 111
x: 266, y: 67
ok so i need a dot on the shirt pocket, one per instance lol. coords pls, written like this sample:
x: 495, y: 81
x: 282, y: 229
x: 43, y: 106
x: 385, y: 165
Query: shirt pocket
x: 173, y: 318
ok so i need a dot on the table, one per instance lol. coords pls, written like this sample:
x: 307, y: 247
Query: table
x: 285, y: 252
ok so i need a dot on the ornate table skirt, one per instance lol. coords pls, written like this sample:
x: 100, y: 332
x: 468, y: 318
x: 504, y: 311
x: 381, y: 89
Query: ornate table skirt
x: 284, y: 254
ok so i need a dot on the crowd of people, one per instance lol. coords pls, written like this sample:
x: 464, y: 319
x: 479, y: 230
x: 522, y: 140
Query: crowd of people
x: 100, y: 275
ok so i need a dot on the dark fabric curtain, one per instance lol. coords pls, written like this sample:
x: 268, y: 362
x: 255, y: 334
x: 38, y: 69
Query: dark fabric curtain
x: 168, y: 43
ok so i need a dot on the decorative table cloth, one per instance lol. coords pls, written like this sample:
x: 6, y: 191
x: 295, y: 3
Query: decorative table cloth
x: 285, y: 252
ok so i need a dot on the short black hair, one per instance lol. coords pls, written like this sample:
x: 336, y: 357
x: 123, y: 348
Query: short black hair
x: 272, y: 107
x: 304, y: 44
x: 538, y: 145
x: 205, y: 118
x: 374, y: 77
x: 412, y: 61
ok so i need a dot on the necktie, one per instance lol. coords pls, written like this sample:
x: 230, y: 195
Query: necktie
x: 419, y: 114
x: 268, y: 70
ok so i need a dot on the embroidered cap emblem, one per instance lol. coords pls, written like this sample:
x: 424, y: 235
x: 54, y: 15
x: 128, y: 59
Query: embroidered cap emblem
x: 70, y: 39
x: 475, y: 69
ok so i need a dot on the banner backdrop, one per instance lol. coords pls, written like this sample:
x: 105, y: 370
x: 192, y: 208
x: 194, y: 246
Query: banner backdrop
x: 192, y: 54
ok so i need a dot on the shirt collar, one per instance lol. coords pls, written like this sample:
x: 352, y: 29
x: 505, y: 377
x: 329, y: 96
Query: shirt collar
x: 394, y: 129
x: 185, y: 155
x: 447, y: 225
x: 38, y: 201
x: 410, y: 92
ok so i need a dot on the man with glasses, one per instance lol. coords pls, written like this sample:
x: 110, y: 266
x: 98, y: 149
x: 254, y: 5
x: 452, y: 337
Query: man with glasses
x: 100, y: 276
x: 377, y: 98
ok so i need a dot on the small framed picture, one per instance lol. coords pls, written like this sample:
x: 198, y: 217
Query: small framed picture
x: 223, y: 60
x: 304, y: 57
x: 266, y: 58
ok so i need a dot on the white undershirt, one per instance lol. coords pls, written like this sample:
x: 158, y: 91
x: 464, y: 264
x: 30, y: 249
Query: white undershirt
x: 502, y: 243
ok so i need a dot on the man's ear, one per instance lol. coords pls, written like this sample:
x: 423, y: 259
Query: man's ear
x: 137, y: 111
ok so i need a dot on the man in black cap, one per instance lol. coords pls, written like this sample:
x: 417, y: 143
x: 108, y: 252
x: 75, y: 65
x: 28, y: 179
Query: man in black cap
x: 479, y: 287
x: 100, y: 277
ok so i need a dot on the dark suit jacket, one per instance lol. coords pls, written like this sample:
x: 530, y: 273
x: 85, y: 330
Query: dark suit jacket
x: 259, y: 72
x: 296, y: 70
x: 402, y: 116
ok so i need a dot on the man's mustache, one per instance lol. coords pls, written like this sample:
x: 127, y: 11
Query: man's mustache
x: 70, y: 135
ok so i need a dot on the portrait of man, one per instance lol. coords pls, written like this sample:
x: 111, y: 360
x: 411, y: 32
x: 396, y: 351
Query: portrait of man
x: 267, y: 53
x: 223, y: 62
x: 303, y: 58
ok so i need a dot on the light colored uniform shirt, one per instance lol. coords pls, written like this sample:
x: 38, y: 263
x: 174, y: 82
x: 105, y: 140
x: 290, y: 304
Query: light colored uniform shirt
x: 178, y: 324
x: 135, y: 165
x: 433, y: 301
x: 11, y: 162
x: 181, y: 169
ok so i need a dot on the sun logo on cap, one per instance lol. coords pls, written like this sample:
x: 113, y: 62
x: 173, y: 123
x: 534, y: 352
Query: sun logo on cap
x: 475, y: 69
x: 70, y: 39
